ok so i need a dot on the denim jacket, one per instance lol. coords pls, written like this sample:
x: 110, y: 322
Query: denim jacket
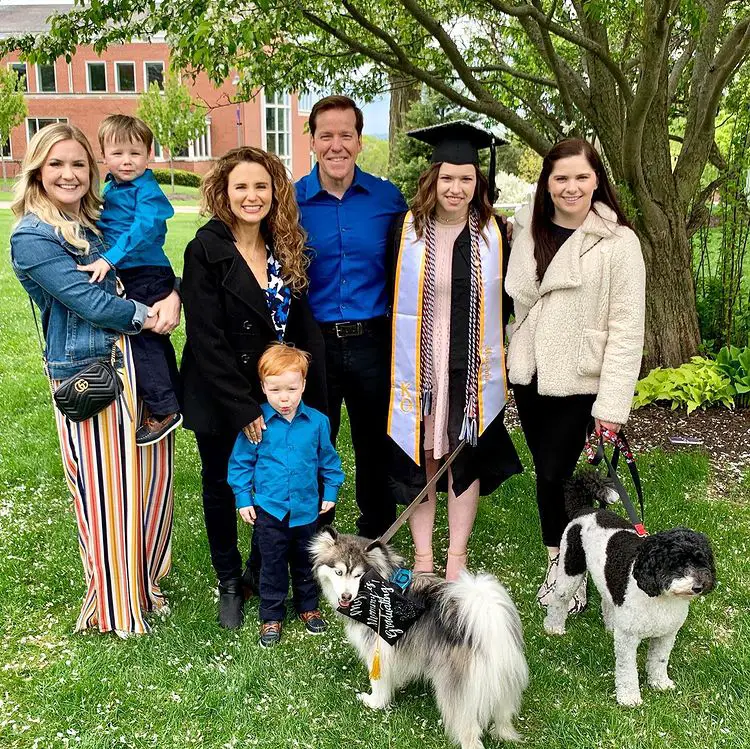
x: 81, y: 320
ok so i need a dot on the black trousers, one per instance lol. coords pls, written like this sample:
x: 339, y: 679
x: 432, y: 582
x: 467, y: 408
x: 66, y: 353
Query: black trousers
x: 284, y: 553
x: 219, y: 509
x: 156, y: 372
x: 358, y: 374
x: 555, y: 431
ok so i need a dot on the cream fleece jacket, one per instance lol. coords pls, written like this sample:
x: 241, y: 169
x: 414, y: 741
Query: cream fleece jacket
x: 581, y: 329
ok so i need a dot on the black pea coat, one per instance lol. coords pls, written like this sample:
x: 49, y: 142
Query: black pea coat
x: 494, y: 458
x: 228, y: 327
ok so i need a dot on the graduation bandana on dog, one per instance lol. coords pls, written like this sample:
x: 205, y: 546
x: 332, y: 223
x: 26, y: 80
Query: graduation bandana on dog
x: 411, y: 374
x: 382, y: 606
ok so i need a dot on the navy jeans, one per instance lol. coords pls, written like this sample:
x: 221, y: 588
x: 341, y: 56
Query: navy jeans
x: 358, y: 374
x: 156, y: 372
x: 284, y: 552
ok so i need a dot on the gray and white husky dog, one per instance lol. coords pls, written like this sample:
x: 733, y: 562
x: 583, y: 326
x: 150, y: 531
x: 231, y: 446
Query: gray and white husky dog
x: 468, y: 643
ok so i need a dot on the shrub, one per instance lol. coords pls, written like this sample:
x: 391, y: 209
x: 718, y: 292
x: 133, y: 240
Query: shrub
x: 181, y: 177
x: 698, y: 384
x: 735, y: 364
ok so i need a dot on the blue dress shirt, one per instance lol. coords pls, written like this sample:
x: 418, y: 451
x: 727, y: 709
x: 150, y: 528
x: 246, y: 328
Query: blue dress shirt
x: 347, y: 238
x: 134, y: 221
x: 280, y: 474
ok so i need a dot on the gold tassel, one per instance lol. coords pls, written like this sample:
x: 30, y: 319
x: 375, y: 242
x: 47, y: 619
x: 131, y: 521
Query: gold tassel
x: 375, y: 668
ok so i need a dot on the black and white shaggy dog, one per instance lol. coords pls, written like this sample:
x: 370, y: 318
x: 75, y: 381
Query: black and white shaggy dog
x: 468, y: 643
x: 646, y: 584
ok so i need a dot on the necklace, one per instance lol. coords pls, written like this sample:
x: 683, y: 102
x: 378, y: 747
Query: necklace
x: 451, y: 222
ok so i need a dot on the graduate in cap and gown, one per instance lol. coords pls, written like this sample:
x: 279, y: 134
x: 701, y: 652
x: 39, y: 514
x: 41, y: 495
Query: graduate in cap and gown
x: 448, y: 379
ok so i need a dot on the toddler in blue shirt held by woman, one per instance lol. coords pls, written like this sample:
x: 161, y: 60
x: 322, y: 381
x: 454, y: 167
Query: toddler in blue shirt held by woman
x: 276, y: 486
x: 134, y: 224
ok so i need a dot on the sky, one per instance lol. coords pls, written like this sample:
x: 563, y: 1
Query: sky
x: 376, y: 116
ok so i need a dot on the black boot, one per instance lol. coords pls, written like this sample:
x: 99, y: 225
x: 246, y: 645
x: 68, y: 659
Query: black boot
x: 231, y: 602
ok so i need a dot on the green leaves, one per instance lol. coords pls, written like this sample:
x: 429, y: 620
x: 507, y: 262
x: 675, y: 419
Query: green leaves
x: 700, y: 383
x: 734, y: 362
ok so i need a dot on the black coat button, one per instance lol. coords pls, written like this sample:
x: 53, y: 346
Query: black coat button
x: 247, y: 325
x: 245, y: 358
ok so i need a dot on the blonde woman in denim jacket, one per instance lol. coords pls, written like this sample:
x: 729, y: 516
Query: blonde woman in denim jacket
x: 122, y: 494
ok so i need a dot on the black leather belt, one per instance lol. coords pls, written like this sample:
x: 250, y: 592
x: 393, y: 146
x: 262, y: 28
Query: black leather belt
x: 350, y: 328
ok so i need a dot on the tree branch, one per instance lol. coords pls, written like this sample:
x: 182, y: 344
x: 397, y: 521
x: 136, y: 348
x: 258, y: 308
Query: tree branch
x: 529, y: 11
x: 679, y: 67
x: 452, y: 52
x: 503, y: 68
x: 402, y: 64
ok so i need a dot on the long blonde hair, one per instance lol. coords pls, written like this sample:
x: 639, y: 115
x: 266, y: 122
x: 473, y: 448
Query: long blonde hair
x: 31, y: 197
x: 280, y: 226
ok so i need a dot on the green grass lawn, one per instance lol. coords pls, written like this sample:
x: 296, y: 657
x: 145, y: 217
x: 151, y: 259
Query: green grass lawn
x: 192, y: 684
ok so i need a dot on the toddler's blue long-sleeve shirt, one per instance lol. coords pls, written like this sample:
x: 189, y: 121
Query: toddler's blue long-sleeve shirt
x: 134, y: 221
x: 280, y: 474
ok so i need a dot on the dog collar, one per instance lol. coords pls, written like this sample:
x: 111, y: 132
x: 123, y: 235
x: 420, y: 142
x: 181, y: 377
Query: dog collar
x: 401, y: 577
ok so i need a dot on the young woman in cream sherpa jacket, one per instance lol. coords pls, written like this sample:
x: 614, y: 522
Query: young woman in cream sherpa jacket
x: 577, y: 280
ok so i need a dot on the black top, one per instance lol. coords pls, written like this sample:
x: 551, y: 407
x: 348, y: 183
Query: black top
x: 562, y: 234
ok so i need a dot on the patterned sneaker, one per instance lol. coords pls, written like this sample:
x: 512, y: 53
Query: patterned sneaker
x: 314, y: 622
x: 547, y: 588
x: 579, y: 601
x: 153, y: 429
x: 270, y: 634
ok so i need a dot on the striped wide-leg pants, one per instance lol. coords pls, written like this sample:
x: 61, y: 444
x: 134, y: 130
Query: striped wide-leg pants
x: 123, y: 498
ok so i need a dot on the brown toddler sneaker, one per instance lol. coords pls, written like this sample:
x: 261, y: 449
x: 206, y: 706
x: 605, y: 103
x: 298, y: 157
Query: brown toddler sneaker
x: 314, y: 622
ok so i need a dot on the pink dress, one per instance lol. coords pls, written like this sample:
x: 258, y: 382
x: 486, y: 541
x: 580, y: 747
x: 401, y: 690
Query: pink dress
x: 436, y: 423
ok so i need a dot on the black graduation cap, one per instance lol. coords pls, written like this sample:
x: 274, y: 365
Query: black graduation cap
x: 459, y: 142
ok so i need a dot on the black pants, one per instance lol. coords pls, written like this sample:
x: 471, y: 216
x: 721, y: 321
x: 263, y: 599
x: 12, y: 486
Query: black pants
x: 555, y: 431
x: 284, y: 552
x: 219, y: 509
x: 156, y: 370
x: 358, y: 372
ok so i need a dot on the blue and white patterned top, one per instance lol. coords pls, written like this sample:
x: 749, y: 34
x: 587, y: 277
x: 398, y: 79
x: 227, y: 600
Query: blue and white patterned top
x: 278, y: 295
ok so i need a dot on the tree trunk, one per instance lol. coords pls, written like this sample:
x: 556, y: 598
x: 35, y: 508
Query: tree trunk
x: 171, y: 172
x: 2, y: 158
x: 404, y: 92
x: 672, y: 333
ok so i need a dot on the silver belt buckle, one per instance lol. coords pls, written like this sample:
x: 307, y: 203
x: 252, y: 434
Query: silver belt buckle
x: 349, y: 329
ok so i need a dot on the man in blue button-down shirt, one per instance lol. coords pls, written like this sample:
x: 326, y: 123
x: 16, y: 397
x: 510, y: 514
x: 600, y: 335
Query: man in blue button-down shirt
x: 347, y: 214
x: 276, y: 486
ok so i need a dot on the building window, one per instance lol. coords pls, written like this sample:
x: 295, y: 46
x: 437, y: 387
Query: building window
x: 305, y: 102
x: 46, y: 81
x: 198, y: 149
x: 5, y: 150
x: 277, y: 126
x: 35, y: 124
x: 20, y: 68
x: 125, y: 77
x: 154, y: 73
x: 96, y: 73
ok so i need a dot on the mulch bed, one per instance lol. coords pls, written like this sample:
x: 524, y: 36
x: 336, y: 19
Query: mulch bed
x: 725, y: 437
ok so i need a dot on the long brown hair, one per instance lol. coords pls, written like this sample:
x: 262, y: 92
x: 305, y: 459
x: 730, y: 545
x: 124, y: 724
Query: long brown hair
x: 542, y: 228
x: 280, y: 227
x: 423, y: 205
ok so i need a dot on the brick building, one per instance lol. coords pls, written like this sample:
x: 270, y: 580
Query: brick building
x: 93, y: 86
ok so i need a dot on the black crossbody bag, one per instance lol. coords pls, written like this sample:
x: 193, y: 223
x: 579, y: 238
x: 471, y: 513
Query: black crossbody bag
x: 90, y: 391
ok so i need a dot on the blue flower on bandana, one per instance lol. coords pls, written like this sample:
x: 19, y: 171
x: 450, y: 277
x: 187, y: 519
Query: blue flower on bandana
x: 278, y: 296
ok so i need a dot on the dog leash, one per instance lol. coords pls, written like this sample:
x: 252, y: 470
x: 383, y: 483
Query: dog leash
x: 385, y: 537
x: 621, y: 447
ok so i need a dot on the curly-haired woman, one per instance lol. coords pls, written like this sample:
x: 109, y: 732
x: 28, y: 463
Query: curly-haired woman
x: 243, y: 287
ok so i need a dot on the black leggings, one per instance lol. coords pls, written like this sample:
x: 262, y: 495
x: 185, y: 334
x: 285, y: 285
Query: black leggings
x: 555, y: 431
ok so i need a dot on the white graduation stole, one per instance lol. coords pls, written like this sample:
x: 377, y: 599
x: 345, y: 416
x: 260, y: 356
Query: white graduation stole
x: 404, y: 411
